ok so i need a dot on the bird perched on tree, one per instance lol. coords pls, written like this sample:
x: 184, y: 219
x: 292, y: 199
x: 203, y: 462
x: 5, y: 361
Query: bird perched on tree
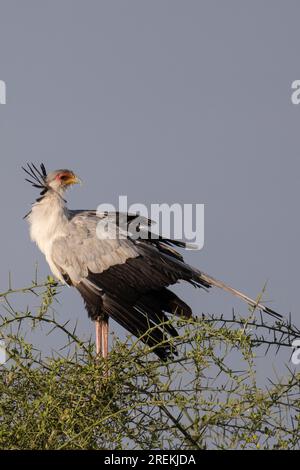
x: 122, y: 277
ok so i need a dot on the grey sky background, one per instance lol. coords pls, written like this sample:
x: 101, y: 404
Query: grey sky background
x: 164, y: 101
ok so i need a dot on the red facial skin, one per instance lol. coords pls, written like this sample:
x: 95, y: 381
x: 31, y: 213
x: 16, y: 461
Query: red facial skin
x: 63, y: 177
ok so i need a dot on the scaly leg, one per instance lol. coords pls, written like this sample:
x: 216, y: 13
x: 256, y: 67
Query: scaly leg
x: 101, y: 325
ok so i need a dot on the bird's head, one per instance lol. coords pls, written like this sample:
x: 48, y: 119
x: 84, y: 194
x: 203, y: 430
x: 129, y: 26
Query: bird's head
x: 58, y: 180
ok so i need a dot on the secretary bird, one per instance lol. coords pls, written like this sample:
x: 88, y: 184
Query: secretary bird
x: 118, y: 276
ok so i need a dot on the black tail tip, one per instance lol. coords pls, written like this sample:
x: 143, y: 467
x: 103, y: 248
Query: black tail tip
x: 273, y: 313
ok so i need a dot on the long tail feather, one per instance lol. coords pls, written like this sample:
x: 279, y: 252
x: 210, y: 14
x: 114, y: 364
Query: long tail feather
x: 253, y: 303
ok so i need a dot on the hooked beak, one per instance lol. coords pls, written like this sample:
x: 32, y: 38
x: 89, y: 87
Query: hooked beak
x: 77, y: 180
x: 73, y: 179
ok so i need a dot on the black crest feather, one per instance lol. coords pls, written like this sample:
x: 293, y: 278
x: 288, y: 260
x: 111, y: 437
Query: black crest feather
x: 37, y: 176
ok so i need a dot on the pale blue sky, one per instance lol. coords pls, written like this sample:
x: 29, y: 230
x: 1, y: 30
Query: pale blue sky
x: 165, y: 101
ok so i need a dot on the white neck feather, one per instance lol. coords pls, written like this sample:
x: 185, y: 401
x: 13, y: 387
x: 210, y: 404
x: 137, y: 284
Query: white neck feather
x: 48, y: 220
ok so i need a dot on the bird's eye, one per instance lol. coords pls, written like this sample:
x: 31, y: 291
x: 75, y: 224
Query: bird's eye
x: 63, y: 177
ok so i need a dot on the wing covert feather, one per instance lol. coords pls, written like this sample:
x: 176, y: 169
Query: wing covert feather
x: 88, y: 246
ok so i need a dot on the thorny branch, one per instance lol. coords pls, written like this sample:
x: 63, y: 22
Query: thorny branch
x: 206, y: 397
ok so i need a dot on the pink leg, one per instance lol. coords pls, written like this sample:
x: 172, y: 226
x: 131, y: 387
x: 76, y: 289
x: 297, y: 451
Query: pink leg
x: 102, y: 337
